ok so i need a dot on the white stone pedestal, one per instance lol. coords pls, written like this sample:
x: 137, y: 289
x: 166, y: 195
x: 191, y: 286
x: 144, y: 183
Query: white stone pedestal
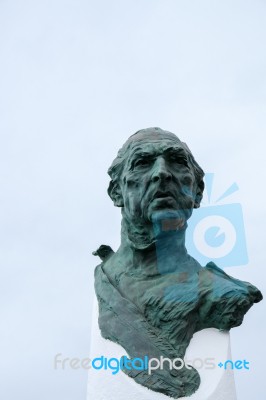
x: 216, y: 383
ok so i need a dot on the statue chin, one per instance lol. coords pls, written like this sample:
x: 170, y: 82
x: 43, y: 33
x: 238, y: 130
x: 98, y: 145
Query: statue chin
x: 168, y: 208
x: 170, y: 219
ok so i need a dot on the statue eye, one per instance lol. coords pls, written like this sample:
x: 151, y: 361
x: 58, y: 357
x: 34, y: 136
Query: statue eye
x: 142, y: 162
x: 175, y: 158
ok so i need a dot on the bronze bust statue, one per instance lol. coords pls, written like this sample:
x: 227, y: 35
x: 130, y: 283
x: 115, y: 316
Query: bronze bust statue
x: 153, y: 296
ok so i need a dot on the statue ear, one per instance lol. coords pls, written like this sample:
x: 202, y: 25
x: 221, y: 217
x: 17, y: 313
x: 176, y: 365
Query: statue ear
x: 199, y: 194
x: 115, y: 193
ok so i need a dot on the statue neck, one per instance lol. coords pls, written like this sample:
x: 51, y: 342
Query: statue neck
x: 151, y: 250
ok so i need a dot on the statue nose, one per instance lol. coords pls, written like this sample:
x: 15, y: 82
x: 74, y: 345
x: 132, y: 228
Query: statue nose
x: 160, y: 170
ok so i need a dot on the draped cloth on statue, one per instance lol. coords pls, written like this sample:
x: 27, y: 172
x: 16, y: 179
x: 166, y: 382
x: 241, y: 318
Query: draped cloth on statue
x: 206, y: 347
x: 208, y: 299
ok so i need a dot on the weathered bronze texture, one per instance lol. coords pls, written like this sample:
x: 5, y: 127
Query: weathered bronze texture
x: 152, y: 294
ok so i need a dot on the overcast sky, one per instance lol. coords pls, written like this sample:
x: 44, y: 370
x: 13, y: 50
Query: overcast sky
x: 77, y: 78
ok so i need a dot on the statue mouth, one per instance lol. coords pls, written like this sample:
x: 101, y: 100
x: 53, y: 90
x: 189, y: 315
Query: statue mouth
x: 162, y: 201
x: 162, y: 195
x: 166, y: 201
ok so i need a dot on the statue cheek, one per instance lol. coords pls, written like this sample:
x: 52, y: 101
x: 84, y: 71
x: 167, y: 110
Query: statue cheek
x: 134, y: 190
x: 132, y: 202
x: 189, y: 190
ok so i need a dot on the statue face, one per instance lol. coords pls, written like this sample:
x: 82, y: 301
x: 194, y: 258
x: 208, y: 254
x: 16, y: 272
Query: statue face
x: 157, y: 177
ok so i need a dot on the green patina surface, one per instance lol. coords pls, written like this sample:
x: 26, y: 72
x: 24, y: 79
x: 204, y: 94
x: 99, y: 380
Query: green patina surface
x: 153, y: 296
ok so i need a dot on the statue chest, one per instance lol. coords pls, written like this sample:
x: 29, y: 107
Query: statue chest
x: 168, y: 302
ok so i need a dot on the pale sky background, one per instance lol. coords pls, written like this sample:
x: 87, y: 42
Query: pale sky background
x: 77, y: 78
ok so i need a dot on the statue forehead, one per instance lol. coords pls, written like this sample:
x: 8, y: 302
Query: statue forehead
x: 153, y: 148
x: 150, y: 140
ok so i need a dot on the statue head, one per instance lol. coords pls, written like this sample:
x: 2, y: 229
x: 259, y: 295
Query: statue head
x: 153, y: 172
